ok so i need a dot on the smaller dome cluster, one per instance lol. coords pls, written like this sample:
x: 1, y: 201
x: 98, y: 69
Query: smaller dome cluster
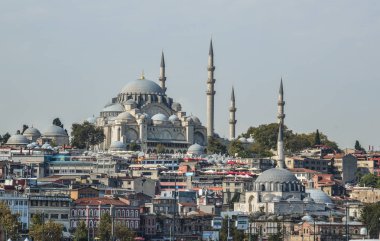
x: 196, y: 149
x: 118, y: 146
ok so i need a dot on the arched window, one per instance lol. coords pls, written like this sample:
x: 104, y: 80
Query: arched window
x: 132, y: 224
x: 127, y: 213
x: 132, y: 214
x: 90, y: 224
x: 136, y: 224
x: 123, y: 213
x: 91, y: 213
x: 136, y: 213
x: 262, y: 187
x: 118, y: 213
x: 127, y: 224
x: 73, y: 213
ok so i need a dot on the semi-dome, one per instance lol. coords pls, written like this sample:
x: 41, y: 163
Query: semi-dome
x: 142, y: 86
x: 173, y: 118
x: 319, y: 196
x: 194, y: 119
x: 91, y: 120
x: 118, y: 146
x: 159, y: 117
x: 55, y: 131
x: 196, y: 149
x: 276, y: 175
x: 113, y: 108
x: 31, y: 131
x: 125, y: 116
x: 18, y: 140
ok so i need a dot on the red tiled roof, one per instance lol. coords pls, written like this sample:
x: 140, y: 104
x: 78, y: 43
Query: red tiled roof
x: 99, y: 201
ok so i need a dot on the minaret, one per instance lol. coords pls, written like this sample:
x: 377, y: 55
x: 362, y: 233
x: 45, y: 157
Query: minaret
x: 232, y: 115
x: 280, y: 140
x: 162, y: 72
x: 210, y: 92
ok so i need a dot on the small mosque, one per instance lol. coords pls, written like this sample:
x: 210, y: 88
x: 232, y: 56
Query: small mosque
x: 277, y: 190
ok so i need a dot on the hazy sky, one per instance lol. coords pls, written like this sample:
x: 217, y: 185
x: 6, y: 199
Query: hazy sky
x: 67, y: 59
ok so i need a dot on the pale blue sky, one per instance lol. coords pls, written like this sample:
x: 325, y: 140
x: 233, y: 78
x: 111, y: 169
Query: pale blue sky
x: 68, y: 58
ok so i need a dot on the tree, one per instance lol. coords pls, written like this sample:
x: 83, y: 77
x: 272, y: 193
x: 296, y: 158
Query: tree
x: 105, y: 227
x: 359, y: 147
x: 10, y: 222
x: 39, y: 230
x: 57, y: 122
x: 123, y: 233
x: 86, y: 135
x: 5, y: 138
x: 133, y: 146
x: 317, y: 140
x: 81, y: 232
x: 236, y: 147
x: 160, y: 148
x: 370, y: 215
x: 369, y: 180
x: 24, y: 128
x: 215, y: 146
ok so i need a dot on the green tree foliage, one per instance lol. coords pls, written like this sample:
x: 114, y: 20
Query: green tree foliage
x: 123, y: 233
x: 9, y: 222
x: 214, y: 145
x: 370, y: 215
x: 160, y: 148
x: 105, y: 227
x: 57, y: 122
x: 359, y: 147
x: 317, y: 139
x: 133, y: 146
x: 5, y: 138
x: 234, y: 233
x: 81, y: 232
x: 86, y: 135
x: 266, y: 135
x: 369, y: 180
x: 24, y: 127
x: 236, y: 147
x: 40, y: 230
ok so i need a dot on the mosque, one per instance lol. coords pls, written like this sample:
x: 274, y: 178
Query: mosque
x: 277, y: 190
x: 142, y: 113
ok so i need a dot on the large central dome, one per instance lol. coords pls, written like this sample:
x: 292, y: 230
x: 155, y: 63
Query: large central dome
x: 142, y: 86
x: 276, y: 175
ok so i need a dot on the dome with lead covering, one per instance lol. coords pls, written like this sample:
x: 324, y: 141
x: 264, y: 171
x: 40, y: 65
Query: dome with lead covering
x: 118, y: 146
x: 125, y: 116
x: 196, y: 149
x: 18, y: 140
x: 113, y: 108
x: 276, y: 175
x: 55, y: 131
x: 142, y: 86
x: 173, y: 118
x: 159, y: 117
x: 31, y: 131
x: 319, y: 196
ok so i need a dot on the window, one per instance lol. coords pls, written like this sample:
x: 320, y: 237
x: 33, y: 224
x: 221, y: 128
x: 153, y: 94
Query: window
x: 54, y: 216
x: 64, y: 216
x: 136, y: 213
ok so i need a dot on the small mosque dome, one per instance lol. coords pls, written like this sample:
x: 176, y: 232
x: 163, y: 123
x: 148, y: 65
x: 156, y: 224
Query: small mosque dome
x: 18, y: 140
x: 118, y: 146
x: 125, y: 116
x: 91, y: 120
x: 194, y: 119
x: 276, y: 175
x: 113, y: 108
x: 173, y: 118
x: 142, y: 86
x: 308, y: 200
x: 55, y: 131
x: 307, y: 218
x: 31, y: 131
x: 46, y: 146
x: 176, y: 106
x: 243, y: 140
x: 318, y: 196
x: 196, y: 149
x: 159, y: 117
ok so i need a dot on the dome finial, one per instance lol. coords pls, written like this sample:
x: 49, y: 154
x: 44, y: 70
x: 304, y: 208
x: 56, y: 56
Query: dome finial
x: 142, y: 75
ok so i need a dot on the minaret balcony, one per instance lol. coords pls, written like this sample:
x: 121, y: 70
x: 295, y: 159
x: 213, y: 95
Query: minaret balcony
x: 209, y: 92
x: 233, y: 122
x: 211, y: 68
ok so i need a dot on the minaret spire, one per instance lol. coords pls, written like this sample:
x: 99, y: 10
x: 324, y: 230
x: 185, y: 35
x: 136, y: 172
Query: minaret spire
x: 280, y: 117
x: 210, y: 92
x: 162, y: 72
x: 232, y: 115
